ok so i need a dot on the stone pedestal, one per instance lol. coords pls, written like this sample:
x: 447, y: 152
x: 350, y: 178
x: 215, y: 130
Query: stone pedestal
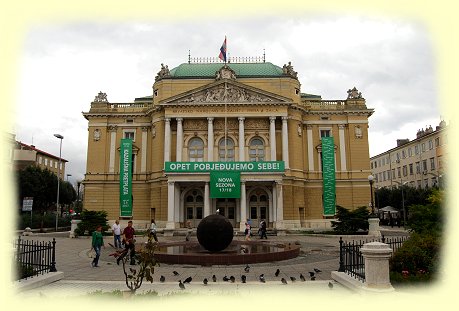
x: 376, y: 257
x: 73, y: 226
x: 373, y: 229
x: 27, y: 232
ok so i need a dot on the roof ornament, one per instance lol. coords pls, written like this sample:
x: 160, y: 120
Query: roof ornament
x: 101, y: 98
x: 225, y: 73
x: 288, y: 70
x: 354, y: 94
x: 164, y: 72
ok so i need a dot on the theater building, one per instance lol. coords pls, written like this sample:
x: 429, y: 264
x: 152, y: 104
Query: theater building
x: 237, y: 138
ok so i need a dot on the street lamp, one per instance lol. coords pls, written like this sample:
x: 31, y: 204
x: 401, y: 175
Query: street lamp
x: 402, y: 184
x: 372, y: 203
x: 58, y: 175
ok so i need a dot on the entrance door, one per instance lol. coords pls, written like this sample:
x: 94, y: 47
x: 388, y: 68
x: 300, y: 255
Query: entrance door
x: 227, y: 208
x: 194, y: 205
x: 258, y: 207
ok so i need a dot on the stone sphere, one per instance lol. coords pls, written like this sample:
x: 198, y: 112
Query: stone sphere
x: 214, y: 233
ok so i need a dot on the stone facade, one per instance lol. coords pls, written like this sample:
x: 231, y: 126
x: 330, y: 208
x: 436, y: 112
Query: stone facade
x: 266, y: 119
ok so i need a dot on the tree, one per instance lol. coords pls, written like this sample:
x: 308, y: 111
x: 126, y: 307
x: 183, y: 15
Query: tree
x: 90, y: 220
x: 351, y: 221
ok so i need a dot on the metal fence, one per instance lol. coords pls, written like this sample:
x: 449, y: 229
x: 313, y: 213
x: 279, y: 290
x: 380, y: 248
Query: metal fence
x: 33, y: 258
x: 351, y: 260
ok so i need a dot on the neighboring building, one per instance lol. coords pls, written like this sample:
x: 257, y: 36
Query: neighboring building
x: 266, y: 118
x: 417, y: 163
x: 25, y: 155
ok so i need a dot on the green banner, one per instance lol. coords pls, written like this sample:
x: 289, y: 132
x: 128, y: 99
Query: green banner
x: 126, y: 178
x: 225, y: 185
x: 328, y: 175
x: 190, y: 167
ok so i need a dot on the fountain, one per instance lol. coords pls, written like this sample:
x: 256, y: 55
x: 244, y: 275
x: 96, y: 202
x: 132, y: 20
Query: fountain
x: 215, y: 246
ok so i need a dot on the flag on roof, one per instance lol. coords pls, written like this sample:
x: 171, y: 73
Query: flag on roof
x: 222, y: 55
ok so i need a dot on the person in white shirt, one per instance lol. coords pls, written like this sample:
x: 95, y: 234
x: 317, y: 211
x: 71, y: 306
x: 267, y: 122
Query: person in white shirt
x: 117, y: 233
x: 153, y: 230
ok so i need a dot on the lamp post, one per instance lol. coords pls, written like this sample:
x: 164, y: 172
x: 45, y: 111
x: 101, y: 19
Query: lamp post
x: 58, y: 176
x: 402, y: 184
x: 372, y: 203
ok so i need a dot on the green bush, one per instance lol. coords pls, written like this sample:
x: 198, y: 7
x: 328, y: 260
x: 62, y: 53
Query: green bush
x: 49, y: 221
x: 90, y: 220
x: 350, y: 221
x: 417, y: 259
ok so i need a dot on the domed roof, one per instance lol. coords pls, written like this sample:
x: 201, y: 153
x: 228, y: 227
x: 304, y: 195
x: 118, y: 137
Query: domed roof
x: 241, y: 70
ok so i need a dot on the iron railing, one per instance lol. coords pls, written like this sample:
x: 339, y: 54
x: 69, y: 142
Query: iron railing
x: 351, y: 260
x: 33, y: 258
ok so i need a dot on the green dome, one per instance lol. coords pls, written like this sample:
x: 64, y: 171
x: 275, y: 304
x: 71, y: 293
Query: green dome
x: 240, y: 69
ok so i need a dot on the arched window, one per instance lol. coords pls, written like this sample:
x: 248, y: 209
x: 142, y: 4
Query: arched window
x: 226, y: 151
x: 256, y: 150
x: 196, y: 150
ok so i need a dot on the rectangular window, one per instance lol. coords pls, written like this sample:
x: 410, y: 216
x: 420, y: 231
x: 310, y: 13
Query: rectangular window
x: 403, y: 154
x: 416, y: 149
x: 198, y: 212
x: 432, y: 164
x: 388, y: 160
x: 410, y: 152
x: 405, y: 170
x: 398, y: 157
x: 253, y: 212
x: 384, y: 175
x: 437, y: 141
x: 230, y: 212
x: 430, y: 144
x: 426, y: 183
x: 325, y: 133
x: 376, y: 164
x: 55, y: 164
x: 418, y: 168
x: 423, y: 147
x: 383, y: 161
x: 129, y: 135
x: 411, y: 169
x: 50, y: 163
x: 46, y: 162
x: 399, y: 172
x: 40, y: 159
x: 371, y: 165
x: 393, y: 173
x: 424, y: 165
x: 189, y: 213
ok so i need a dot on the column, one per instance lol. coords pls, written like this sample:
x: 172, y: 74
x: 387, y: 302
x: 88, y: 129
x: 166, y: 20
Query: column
x: 179, y: 150
x: 285, y: 154
x: 280, y: 205
x: 272, y: 137
x: 167, y: 139
x: 206, y: 200
x: 243, y: 207
x: 342, y: 147
x: 170, y: 205
x: 310, y: 148
x: 210, y: 139
x: 143, y: 152
x: 376, y: 256
x: 241, y: 139
x: 111, y: 165
x: 274, y: 203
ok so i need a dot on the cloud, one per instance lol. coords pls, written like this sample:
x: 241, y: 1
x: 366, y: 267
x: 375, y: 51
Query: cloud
x: 64, y: 66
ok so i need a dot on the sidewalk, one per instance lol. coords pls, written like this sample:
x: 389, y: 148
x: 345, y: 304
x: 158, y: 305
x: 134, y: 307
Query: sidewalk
x: 79, y: 277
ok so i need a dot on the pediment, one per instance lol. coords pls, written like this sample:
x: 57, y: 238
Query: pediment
x: 226, y: 91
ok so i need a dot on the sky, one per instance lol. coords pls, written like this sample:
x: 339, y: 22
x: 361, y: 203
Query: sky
x: 62, y: 67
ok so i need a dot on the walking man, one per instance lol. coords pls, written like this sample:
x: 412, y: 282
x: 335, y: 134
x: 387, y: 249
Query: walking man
x: 117, y: 233
x: 96, y: 244
x: 129, y: 242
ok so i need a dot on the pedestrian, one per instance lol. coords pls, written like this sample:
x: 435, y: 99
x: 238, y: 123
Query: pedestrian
x: 97, y: 243
x: 263, y: 229
x: 188, y: 233
x: 129, y: 243
x: 153, y: 230
x: 117, y: 234
x: 247, y: 231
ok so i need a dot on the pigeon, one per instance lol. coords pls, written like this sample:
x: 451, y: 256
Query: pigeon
x: 330, y: 285
x: 262, y: 278
x: 204, y: 281
x: 162, y: 279
x: 175, y: 272
x: 225, y: 278
x: 311, y: 274
x: 246, y: 269
x: 214, y: 278
x: 243, y: 278
x: 180, y: 284
x: 232, y: 279
x: 293, y: 278
x: 284, y: 281
x: 187, y: 280
x: 313, y: 278
x: 302, y: 278
x: 317, y: 270
x: 277, y: 272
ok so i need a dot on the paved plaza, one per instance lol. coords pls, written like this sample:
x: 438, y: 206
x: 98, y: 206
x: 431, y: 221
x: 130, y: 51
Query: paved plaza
x: 79, y: 278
